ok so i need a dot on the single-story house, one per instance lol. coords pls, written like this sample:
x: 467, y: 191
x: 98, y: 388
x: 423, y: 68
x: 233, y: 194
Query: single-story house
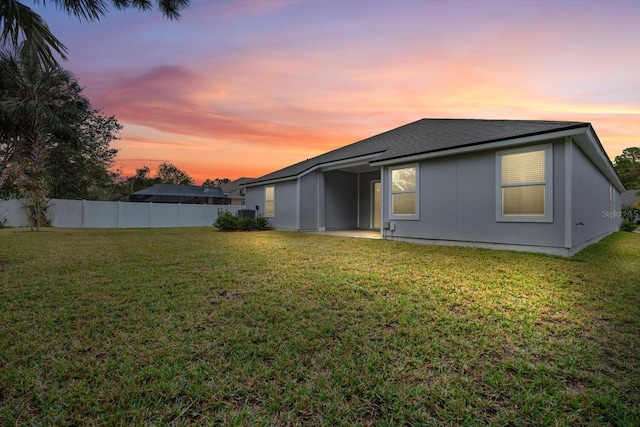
x: 235, y: 192
x: 187, y: 194
x: 532, y: 185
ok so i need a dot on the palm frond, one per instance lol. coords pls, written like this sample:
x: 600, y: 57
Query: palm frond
x: 23, y: 28
x: 170, y: 8
x: 89, y: 10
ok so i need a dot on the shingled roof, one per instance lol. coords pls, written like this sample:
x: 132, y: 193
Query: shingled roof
x: 171, y: 193
x: 428, y: 136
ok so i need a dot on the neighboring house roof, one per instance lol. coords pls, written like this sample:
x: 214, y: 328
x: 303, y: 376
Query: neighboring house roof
x: 181, y: 191
x: 233, y: 189
x: 438, y: 135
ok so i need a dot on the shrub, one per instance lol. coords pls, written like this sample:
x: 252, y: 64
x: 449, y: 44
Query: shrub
x: 262, y: 223
x: 246, y: 224
x: 229, y: 222
x: 226, y: 221
x: 627, y: 226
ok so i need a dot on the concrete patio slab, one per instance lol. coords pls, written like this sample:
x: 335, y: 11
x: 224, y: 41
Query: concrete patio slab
x: 362, y: 234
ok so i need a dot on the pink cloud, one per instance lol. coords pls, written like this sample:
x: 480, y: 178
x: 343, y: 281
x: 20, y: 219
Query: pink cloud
x: 288, y: 78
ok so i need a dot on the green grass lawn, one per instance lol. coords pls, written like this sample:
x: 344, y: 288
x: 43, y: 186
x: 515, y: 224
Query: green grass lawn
x: 193, y: 326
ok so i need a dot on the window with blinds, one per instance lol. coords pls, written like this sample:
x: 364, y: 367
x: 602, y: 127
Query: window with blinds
x: 524, y: 183
x: 404, y: 191
x: 270, y: 201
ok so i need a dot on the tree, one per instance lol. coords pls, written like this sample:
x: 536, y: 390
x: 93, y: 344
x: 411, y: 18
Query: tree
x: 21, y: 26
x: 34, y: 106
x: 216, y: 182
x: 627, y: 165
x: 167, y: 174
x: 52, y: 142
x: 81, y: 170
x: 170, y: 174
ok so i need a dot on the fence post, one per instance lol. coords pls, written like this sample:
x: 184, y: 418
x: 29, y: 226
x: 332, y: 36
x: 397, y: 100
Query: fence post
x: 150, y: 213
x: 118, y: 215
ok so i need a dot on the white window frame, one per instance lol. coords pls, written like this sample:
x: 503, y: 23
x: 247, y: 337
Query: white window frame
x: 548, y: 185
x: 266, y: 214
x: 414, y: 216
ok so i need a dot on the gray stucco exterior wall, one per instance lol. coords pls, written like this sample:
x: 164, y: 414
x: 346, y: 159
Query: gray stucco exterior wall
x: 286, y: 201
x: 309, y: 201
x: 254, y: 199
x: 457, y: 203
x: 286, y: 205
x: 592, y: 215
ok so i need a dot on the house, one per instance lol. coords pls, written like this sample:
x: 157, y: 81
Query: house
x: 187, y: 194
x: 235, y: 192
x: 531, y: 185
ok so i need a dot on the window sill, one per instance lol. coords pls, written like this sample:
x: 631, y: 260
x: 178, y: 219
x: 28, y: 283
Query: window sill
x: 404, y: 218
x: 524, y: 218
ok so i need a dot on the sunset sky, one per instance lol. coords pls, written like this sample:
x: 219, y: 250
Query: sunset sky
x: 242, y: 88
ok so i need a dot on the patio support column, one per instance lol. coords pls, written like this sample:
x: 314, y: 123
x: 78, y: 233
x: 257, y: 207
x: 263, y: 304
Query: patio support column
x: 321, y: 207
x: 298, y: 204
x: 382, y: 200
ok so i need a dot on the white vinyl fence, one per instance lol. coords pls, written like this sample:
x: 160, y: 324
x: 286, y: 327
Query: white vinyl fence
x: 92, y: 214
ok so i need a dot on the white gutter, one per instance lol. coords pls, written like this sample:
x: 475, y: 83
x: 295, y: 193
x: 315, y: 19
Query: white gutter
x: 270, y: 181
x: 341, y: 164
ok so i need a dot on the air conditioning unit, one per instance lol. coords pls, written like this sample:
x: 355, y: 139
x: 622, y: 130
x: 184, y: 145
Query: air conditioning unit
x: 247, y: 213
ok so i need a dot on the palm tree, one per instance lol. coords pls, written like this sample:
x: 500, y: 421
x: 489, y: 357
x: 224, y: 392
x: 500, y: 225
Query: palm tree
x: 34, y: 104
x: 22, y: 27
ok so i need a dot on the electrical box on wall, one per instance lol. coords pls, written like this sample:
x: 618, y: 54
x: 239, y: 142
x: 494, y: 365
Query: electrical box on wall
x: 389, y: 226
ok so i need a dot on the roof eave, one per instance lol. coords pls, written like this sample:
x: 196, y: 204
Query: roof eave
x: 326, y: 166
x: 269, y: 181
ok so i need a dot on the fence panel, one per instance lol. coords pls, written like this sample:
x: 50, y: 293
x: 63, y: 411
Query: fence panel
x: 65, y: 213
x: 130, y: 215
x: 164, y: 215
x: 96, y: 214
x: 13, y: 213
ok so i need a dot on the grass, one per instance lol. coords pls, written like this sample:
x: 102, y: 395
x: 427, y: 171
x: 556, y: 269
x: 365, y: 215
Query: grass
x: 190, y: 326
